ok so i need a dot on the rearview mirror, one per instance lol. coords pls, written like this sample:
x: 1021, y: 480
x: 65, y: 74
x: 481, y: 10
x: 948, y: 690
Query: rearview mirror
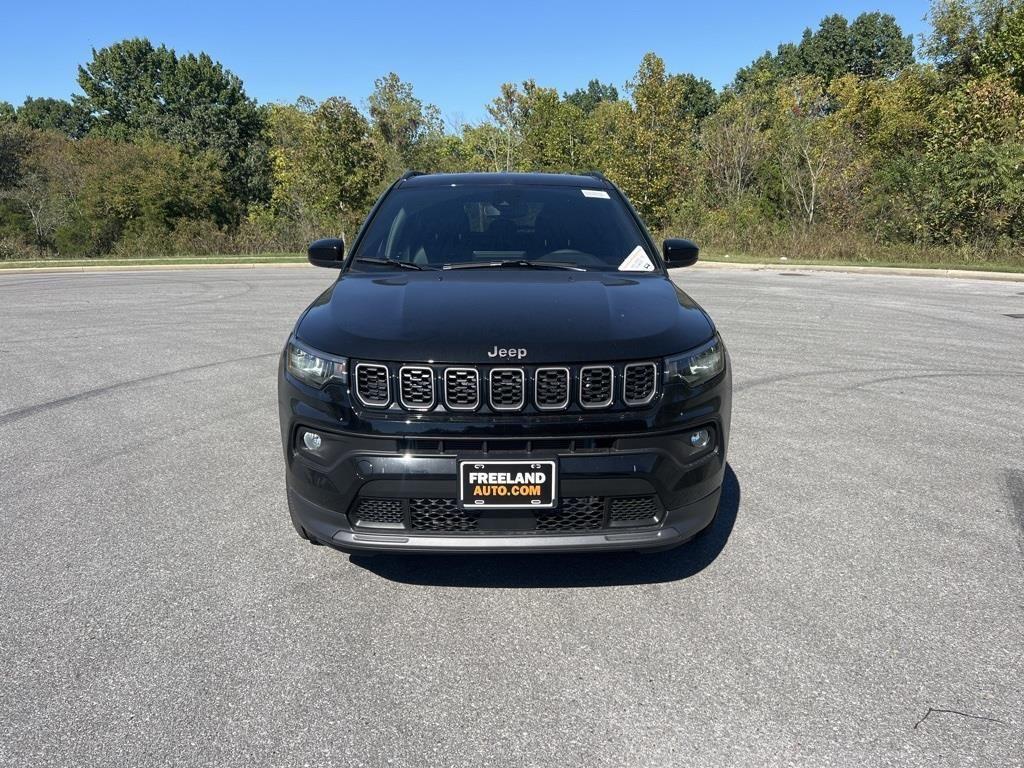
x: 329, y: 252
x: 679, y: 253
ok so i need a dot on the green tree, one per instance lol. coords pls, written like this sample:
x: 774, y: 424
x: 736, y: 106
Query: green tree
x: 134, y: 90
x: 327, y: 168
x: 809, y: 152
x: 410, y: 132
x: 975, y: 156
x: 974, y: 38
x: 506, y: 111
x: 878, y: 47
x: 553, y: 130
x: 48, y: 114
x: 733, y: 145
x: 596, y: 92
x: 650, y: 142
x: 872, y: 46
x: 698, y: 98
x: 827, y: 52
x: 135, y: 195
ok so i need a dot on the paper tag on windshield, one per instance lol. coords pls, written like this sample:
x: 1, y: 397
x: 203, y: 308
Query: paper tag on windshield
x: 595, y: 193
x: 637, y: 261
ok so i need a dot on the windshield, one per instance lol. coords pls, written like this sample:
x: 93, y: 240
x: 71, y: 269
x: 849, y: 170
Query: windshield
x: 495, y: 225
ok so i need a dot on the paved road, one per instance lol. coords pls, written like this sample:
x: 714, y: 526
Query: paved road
x: 859, y: 602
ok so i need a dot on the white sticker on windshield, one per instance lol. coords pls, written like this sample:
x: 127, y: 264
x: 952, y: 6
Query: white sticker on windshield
x: 595, y: 193
x: 637, y: 261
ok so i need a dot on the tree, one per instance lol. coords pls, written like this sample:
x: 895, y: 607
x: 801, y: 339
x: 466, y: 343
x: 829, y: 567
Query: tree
x: 596, y: 92
x: 698, y: 98
x: 872, y: 46
x: 806, y: 150
x: 48, y: 114
x: 878, y: 47
x: 327, y: 167
x: 974, y: 38
x: 506, y: 112
x: 134, y: 90
x: 552, y: 129
x: 827, y: 52
x: 15, y: 141
x: 732, y: 145
x: 44, y: 184
x: 650, y: 140
x: 975, y: 156
x: 409, y: 131
x: 484, y: 147
x: 135, y: 196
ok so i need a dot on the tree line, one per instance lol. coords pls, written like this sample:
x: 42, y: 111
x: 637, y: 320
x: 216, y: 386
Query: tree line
x: 847, y: 144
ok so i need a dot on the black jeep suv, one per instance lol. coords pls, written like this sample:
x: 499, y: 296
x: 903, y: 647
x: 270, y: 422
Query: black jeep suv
x: 503, y: 364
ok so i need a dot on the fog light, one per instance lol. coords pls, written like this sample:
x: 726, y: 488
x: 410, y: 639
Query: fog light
x: 312, y: 441
x: 700, y: 438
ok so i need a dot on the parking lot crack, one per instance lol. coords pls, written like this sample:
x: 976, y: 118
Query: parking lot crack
x: 933, y: 711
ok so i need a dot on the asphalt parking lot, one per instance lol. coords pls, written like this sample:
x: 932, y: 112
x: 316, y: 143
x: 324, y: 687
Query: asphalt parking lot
x: 859, y: 601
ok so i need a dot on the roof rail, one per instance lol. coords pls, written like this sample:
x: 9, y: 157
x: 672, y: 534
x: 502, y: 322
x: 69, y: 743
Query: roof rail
x: 597, y: 175
x: 410, y: 174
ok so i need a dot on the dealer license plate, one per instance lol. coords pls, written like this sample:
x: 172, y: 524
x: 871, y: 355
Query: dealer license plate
x: 508, y: 484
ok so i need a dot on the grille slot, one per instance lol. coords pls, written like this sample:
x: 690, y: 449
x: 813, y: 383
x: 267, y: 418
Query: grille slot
x: 633, y: 509
x: 639, y: 383
x: 551, y: 388
x: 596, y: 386
x: 574, y: 514
x: 372, y: 386
x: 416, y: 388
x: 461, y: 389
x: 508, y: 389
x: 440, y: 515
x: 380, y: 513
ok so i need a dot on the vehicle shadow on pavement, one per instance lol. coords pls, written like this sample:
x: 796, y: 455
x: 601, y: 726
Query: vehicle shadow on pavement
x: 600, y: 569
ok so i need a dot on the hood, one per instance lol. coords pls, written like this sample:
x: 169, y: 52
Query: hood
x: 460, y: 316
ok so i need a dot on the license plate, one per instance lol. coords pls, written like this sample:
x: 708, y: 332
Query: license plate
x: 508, y: 484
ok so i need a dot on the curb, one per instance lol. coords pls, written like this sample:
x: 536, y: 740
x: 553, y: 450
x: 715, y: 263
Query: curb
x: 956, y: 274
x: 149, y: 267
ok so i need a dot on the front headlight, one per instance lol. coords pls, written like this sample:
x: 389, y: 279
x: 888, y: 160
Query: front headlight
x: 696, y: 366
x: 312, y: 367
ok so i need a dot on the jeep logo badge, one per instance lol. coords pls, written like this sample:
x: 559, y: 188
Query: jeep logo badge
x: 518, y: 354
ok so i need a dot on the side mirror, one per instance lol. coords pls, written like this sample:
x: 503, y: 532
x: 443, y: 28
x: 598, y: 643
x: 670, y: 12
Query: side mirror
x: 679, y: 253
x: 329, y: 252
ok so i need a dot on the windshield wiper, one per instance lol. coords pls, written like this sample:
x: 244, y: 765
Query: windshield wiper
x: 390, y: 262
x: 526, y: 263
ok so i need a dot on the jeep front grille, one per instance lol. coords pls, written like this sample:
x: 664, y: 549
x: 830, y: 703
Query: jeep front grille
x: 508, y: 389
x: 597, y: 388
x: 372, y: 384
x: 461, y: 389
x: 419, y: 387
x: 416, y: 387
x: 639, y: 381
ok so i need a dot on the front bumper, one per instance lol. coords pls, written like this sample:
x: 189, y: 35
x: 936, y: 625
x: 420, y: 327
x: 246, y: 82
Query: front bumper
x: 679, y: 526
x: 626, y: 479
x: 358, y: 493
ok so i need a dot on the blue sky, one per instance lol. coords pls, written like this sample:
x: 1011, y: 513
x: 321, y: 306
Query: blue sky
x: 454, y: 53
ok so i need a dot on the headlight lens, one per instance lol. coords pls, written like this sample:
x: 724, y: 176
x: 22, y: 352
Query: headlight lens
x: 314, y: 368
x: 697, y: 366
